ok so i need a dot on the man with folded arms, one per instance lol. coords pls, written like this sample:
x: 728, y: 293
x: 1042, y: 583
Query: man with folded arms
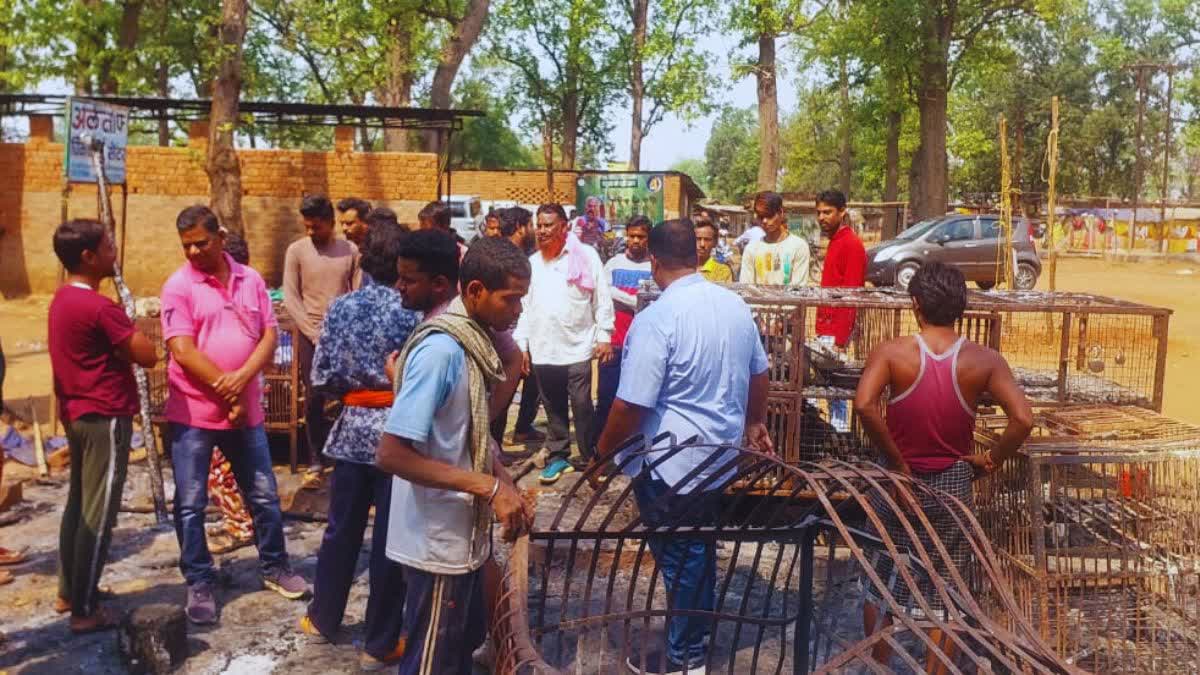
x: 220, y: 329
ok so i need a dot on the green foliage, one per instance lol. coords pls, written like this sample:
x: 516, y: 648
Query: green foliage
x: 697, y: 169
x: 565, y: 66
x: 566, y: 63
x: 488, y: 142
x: 677, y: 69
x: 731, y: 155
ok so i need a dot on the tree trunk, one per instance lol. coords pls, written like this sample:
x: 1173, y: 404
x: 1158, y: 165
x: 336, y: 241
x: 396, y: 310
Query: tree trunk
x: 768, y: 115
x: 844, y: 127
x: 548, y: 158
x: 844, y: 130
x: 397, y: 89
x: 1019, y: 159
x: 224, y: 173
x: 891, y: 176
x: 127, y: 37
x: 570, y: 128
x: 637, y: 84
x: 457, y: 46
x: 929, y: 168
x: 163, y: 77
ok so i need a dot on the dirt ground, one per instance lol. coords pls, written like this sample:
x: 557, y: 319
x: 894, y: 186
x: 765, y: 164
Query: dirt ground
x: 1162, y: 284
x: 257, y: 632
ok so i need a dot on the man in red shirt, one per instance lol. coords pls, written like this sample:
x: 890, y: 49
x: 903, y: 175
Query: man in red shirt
x: 845, y: 267
x: 92, y: 344
x: 845, y: 264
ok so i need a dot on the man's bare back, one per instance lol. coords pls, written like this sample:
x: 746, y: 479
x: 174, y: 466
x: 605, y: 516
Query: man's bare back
x: 979, y: 369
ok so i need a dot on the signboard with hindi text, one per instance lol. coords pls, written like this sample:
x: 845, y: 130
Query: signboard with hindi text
x: 87, y: 120
x: 622, y: 195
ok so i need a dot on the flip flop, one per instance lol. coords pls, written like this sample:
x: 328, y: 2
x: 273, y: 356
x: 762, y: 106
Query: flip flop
x: 224, y: 543
x: 312, y: 480
x: 6, y: 577
x: 9, y: 556
x: 105, y: 620
x: 62, y: 605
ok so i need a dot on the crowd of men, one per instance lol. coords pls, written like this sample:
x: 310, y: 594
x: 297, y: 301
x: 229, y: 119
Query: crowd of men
x: 422, y: 342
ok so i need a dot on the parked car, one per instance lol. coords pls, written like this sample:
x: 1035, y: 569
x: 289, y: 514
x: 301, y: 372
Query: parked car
x: 466, y: 215
x: 969, y: 242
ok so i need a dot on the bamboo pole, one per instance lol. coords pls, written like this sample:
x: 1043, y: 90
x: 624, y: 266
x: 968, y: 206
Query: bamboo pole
x: 1004, y: 263
x: 1051, y: 190
x: 143, y: 384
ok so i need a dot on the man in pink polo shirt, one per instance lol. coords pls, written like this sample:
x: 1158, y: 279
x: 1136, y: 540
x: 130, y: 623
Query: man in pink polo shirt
x: 220, y: 331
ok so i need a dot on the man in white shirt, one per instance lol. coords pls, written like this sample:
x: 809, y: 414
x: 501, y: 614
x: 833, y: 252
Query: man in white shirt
x: 567, y: 321
x: 780, y: 258
x: 752, y: 234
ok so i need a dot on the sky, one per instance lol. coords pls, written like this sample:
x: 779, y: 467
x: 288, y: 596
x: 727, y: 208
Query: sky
x: 672, y: 140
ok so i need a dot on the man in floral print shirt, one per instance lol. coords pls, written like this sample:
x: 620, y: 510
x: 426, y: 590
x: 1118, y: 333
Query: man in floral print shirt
x: 360, y: 330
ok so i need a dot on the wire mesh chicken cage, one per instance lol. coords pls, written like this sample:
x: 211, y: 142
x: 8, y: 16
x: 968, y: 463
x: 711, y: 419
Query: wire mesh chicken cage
x: 1095, y: 524
x: 1065, y: 349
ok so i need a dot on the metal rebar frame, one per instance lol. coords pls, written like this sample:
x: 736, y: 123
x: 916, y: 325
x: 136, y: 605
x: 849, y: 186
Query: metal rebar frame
x: 792, y: 547
x: 1096, y: 525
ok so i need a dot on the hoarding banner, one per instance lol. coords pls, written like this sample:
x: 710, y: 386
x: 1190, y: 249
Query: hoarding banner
x: 622, y: 195
x: 87, y: 120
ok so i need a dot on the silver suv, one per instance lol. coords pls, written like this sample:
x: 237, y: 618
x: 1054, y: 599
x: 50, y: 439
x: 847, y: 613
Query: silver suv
x: 969, y: 242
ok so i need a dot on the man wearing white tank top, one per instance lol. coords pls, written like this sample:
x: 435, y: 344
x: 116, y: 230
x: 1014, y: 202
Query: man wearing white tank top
x: 928, y: 432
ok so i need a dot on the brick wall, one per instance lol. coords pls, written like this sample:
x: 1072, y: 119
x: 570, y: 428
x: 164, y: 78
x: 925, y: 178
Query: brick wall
x: 529, y: 187
x: 525, y: 187
x: 162, y: 181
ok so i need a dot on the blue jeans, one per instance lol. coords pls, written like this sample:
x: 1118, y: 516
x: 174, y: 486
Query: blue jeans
x: 688, y: 566
x: 250, y: 456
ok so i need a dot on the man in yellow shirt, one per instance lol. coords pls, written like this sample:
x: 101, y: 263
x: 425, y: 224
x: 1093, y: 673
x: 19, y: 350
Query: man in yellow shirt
x: 706, y: 240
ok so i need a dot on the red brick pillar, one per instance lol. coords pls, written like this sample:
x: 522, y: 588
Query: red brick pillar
x: 198, y: 134
x: 343, y: 139
x: 41, y: 129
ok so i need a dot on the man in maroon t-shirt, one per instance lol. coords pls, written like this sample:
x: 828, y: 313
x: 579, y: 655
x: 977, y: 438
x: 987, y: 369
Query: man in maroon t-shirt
x: 92, y: 344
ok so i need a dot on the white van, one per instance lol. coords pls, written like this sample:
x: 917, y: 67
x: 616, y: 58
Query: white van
x: 466, y: 215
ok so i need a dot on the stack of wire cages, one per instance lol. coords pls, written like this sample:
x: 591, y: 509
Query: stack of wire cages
x: 1065, y: 348
x: 1071, y: 348
x: 1095, y: 523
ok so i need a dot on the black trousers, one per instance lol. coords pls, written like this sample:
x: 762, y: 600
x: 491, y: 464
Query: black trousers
x: 355, y: 487
x: 446, y: 622
x: 316, y: 426
x: 531, y: 397
x: 567, y: 393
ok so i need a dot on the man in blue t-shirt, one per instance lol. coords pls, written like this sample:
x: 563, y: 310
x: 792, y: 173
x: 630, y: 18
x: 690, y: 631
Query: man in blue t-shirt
x: 449, y: 481
x: 694, y: 367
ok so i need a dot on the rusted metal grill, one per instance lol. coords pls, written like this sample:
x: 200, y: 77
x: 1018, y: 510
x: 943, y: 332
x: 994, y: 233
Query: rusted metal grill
x: 283, y: 396
x: 1096, y: 523
x: 788, y: 572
